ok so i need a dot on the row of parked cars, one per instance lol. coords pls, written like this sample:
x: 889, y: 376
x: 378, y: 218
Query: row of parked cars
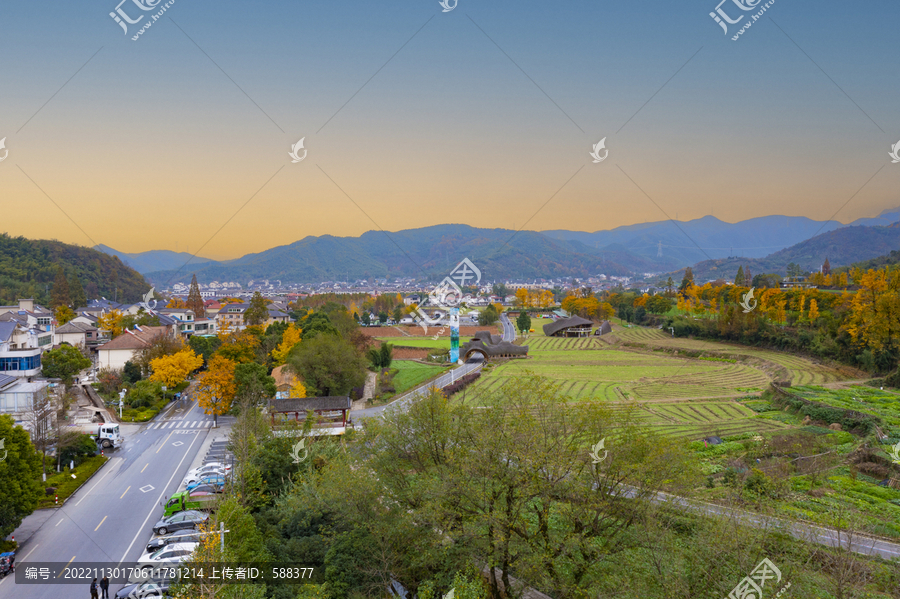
x: 179, y: 529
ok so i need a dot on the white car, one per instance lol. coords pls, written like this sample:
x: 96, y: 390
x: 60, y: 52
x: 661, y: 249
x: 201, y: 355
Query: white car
x: 170, y: 554
x: 214, y: 468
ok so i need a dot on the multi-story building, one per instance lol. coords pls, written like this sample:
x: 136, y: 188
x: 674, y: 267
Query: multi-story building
x: 26, y: 331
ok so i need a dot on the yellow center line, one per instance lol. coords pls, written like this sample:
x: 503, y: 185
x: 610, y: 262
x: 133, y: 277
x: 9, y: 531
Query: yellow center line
x: 66, y: 566
x: 145, y: 466
x: 126, y: 490
x: 101, y: 524
x: 163, y: 444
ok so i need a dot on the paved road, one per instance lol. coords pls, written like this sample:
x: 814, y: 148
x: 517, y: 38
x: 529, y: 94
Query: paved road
x: 109, y: 520
x: 509, y: 331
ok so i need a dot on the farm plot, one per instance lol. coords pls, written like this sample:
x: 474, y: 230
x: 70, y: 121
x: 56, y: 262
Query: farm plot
x: 614, y: 375
x: 541, y: 343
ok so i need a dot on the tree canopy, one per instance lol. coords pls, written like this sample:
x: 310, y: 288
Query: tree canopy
x: 328, y: 365
x: 64, y: 363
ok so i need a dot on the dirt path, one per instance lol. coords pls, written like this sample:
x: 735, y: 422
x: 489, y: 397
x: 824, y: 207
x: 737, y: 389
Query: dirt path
x: 368, y: 392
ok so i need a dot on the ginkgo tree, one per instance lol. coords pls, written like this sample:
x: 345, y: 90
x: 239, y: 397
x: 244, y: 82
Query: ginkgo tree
x: 289, y: 339
x: 216, y: 387
x: 112, y: 322
x: 174, y: 369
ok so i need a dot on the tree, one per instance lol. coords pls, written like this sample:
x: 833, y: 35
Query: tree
x: 500, y: 289
x: 739, y: 277
x: 748, y: 278
x: 20, y: 471
x: 160, y: 345
x: 315, y: 323
x: 289, y: 339
x: 523, y: 322
x: 111, y: 322
x: 328, y: 365
x: 253, y: 384
x: 195, y: 300
x: 813, y: 311
x: 40, y: 422
x: 826, y: 267
x: 687, y: 280
x: 131, y: 373
x: 204, y: 346
x: 216, y: 387
x: 382, y: 317
x: 110, y: 379
x: 488, y: 316
x: 63, y: 315
x: 670, y: 286
x: 173, y: 369
x: 258, y: 310
x: 381, y: 357
x: 298, y: 389
x: 76, y: 292
x: 239, y: 346
x: 63, y: 363
x: 60, y: 294
x: 522, y: 298
x: 398, y: 312
x: 366, y: 318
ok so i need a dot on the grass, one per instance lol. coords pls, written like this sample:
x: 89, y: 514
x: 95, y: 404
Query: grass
x: 883, y: 404
x: 411, y: 374
x: 66, y: 485
x: 428, y: 342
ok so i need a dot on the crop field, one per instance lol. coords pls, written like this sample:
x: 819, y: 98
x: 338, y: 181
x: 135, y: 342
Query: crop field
x: 428, y: 342
x: 869, y: 400
x: 537, y: 343
x: 800, y: 370
x: 413, y: 373
x: 609, y: 374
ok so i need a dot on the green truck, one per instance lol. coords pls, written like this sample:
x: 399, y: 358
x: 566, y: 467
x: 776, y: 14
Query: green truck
x: 184, y: 500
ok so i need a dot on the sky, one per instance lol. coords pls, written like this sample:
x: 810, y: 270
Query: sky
x: 411, y: 116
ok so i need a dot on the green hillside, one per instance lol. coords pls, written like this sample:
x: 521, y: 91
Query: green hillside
x: 28, y: 268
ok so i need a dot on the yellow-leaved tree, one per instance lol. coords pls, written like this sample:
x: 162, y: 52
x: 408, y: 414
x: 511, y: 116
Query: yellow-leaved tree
x: 216, y: 386
x: 63, y: 315
x: 175, y: 368
x: 289, y: 339
x: 298, y: 390
x: 111, y: 322
x: 813, y: 310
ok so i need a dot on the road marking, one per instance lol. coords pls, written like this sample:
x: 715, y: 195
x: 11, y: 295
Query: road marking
x: 98, y: 482
x: 64, y: 567
x: 146, y: 488
x: 98, y: 527
x: 163, y: 444
x: 126, y: 490
x: 60, y: 522
x: 145, y: 467
x: 158, y: 499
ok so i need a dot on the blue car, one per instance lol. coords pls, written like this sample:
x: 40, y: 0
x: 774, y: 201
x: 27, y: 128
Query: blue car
x: 216, y: 480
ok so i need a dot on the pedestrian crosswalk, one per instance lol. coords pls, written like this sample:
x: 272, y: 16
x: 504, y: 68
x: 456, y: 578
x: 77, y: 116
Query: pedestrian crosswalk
x: 183, y: 424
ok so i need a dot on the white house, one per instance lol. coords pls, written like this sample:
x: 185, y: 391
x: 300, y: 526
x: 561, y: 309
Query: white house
x: 115, y: 353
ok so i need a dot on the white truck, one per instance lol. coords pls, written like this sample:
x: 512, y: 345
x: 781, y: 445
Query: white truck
x: 105, y: 433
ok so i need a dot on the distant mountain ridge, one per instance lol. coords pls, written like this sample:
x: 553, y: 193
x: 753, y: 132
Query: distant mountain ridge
x: 429, y: 252
x: 144, y: 262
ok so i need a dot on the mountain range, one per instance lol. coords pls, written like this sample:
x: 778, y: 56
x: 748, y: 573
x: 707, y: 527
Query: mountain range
x: 768, y: 243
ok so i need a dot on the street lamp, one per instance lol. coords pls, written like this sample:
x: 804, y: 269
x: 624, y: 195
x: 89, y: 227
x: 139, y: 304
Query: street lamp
x: 164, y: 391
x: 121, y: 401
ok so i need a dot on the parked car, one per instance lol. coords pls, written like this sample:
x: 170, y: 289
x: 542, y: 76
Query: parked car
x: 170, y: 554
x: 212, y: 479
x: 178, y: 537
x: 213, y: 469
x: 150, y: 588
x: 189, y: 519
x: 202, y: 487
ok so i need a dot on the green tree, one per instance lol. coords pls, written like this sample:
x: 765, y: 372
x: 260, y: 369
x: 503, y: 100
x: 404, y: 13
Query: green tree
x: 381, y: 357
x: 488, y: 316
x: 76, y: 292
x: 366, y: 319
x: 670, y: 286
x: 195, y: 300
x: 316, y: 323
x: 204, y: 346
x: 739, y: 277
x: 328, y: 365
x: 398, y: 312
x: 500, y: 289
x: 687, y: 280
x: 258, y: 310
x: 63, y: 363
x: 253, y: 383
x: 20, y: 471
x: 60, y: 293
x: 131, y: 372
x: 523, y: 321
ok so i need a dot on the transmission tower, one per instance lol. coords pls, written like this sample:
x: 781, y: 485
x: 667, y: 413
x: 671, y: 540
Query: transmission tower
x: 659, y: 250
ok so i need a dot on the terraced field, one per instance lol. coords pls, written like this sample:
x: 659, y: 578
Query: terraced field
x: 610, y: 374
x: 537, y: 343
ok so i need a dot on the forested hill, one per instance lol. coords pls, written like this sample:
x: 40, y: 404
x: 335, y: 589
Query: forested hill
x: 28, y: 269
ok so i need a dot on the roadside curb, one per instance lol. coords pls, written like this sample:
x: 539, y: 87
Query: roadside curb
x: 64, y: 501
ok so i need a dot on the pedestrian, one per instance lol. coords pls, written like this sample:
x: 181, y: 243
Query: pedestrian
x: 94, y: 589
x: 104, y: 588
